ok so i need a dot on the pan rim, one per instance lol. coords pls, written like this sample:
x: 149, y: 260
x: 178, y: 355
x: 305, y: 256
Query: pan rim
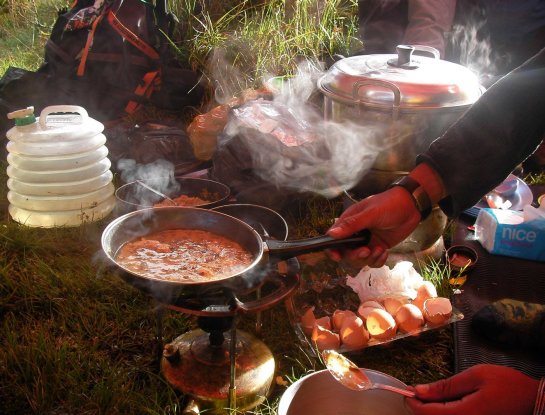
x: 116, y: 223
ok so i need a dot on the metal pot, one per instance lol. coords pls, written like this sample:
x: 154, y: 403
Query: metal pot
x: 412, y: 99
x: 137, y: 195
x: 146, y: 221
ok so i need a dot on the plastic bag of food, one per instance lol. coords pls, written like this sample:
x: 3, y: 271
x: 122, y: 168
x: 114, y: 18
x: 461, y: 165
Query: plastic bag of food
x: 204, y: 129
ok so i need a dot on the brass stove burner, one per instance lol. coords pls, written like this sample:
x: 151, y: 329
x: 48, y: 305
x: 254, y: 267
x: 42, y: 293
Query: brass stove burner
x: 192, y: 364
x: 220, y: 368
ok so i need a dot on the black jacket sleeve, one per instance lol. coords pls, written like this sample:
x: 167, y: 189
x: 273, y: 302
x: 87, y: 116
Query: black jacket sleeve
x: 495, y: 134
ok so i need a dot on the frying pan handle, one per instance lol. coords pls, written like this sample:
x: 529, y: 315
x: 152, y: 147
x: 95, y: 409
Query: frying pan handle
x: 289, y: 249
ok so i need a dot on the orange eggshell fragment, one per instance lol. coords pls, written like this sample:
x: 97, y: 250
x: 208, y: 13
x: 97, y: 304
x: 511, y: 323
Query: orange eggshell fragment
x: 308, y: 320
x: 380, y: 324
x: 372, y: 304
x: 437, y: 310
x: 391, y: 305
x: 409, y: 318
x: 324, y: 322
x: 365, y: 308
x: 425, y: 291
x: 353, y: 333
x: 339, y: 316
x: 325, y: 339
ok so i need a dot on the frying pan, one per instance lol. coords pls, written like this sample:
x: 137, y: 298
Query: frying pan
x: 146, y: 221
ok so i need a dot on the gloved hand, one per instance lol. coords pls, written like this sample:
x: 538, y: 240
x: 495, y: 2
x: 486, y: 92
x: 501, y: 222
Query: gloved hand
x: 391, y: 216
x: 480, y: 390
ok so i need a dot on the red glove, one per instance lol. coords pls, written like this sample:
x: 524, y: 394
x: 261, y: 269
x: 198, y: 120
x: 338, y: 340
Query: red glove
x: 391, y: 216
x: 480, y: 390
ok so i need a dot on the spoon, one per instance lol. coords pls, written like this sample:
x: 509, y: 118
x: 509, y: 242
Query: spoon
x: 350, y: 375
x: 157, y: 192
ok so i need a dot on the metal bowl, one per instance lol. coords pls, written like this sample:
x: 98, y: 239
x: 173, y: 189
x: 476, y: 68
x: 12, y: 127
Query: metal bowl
x: 320, y: 394
x: 135, y: 196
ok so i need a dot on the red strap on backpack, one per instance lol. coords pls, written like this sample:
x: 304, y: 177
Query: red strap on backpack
x: 149, y: 83
x: 131, y: 37
x: 88, y: 44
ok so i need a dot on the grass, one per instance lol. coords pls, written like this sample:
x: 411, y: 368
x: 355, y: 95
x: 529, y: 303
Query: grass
x: 71, y: 337
x: 253, y: 40
x: 535, y: 178
x: 24, y: 29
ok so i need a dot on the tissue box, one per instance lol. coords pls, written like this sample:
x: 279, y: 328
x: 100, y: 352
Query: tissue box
x: 504, y: 232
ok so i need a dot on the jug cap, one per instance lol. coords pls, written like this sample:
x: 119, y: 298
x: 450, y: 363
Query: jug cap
x: 23, y: 116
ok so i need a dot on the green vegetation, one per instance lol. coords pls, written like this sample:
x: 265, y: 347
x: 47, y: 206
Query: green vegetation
x: 252, y: 39
x: 535, y: 178
x: 271, y: 38
x: 24, y: 29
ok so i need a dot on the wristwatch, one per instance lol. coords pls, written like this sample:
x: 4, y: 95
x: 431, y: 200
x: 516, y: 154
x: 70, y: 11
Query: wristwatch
x: 418, y: 193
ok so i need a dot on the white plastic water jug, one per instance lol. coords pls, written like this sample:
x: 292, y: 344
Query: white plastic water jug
x: 58, y: 169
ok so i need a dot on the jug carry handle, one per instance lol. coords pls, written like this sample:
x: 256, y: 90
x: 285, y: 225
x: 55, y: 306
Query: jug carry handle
x: 73, y: 109
x: 378, y: 82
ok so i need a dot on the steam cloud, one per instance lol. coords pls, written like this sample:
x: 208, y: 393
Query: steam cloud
x: 475, y: 52
x: 334, y: 159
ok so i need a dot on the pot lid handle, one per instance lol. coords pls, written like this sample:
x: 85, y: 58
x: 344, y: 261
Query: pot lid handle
x: 428, y: 49
x: 404, y: 54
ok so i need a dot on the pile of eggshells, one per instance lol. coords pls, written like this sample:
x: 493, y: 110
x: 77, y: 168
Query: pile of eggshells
x: 379, y: 319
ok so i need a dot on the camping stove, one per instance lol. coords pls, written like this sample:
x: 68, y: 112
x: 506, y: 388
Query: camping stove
x: 220, y: 368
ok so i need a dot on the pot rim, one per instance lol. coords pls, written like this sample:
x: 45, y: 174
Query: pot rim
x: 289, y: 394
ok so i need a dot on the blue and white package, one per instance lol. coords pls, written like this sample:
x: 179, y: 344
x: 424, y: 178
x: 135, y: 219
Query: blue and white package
x: 505, y: 232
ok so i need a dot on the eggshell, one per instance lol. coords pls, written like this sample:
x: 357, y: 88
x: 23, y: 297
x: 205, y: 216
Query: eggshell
x: 409, y: 318
x: 380, y: 324
x: 325, y: 339
x: 353, y: 333
x: 366, y: 307
x: 437, y: 310
x: 308, y: 320
x: 372, y: 304
x: 339, y: 316
x: 425, y: 291
x: 324, y: 322
x: 392, y: 304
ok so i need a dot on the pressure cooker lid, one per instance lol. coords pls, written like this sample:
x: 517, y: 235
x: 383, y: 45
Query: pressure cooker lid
x: 404, y: 80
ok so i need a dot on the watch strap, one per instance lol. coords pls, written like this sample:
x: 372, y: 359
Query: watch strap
x: 419, y: 195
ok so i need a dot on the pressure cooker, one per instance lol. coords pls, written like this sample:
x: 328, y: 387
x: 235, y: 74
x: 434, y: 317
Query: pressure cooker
x: 411, y: 99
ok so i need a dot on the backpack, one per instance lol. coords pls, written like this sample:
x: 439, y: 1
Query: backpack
x: 110, y: 57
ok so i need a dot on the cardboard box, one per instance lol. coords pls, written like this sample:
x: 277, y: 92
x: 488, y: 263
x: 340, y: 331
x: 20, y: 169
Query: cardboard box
x: 504, y: 232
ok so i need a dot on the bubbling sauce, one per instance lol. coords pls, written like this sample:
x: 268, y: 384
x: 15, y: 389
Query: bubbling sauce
x: 184, y: 255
